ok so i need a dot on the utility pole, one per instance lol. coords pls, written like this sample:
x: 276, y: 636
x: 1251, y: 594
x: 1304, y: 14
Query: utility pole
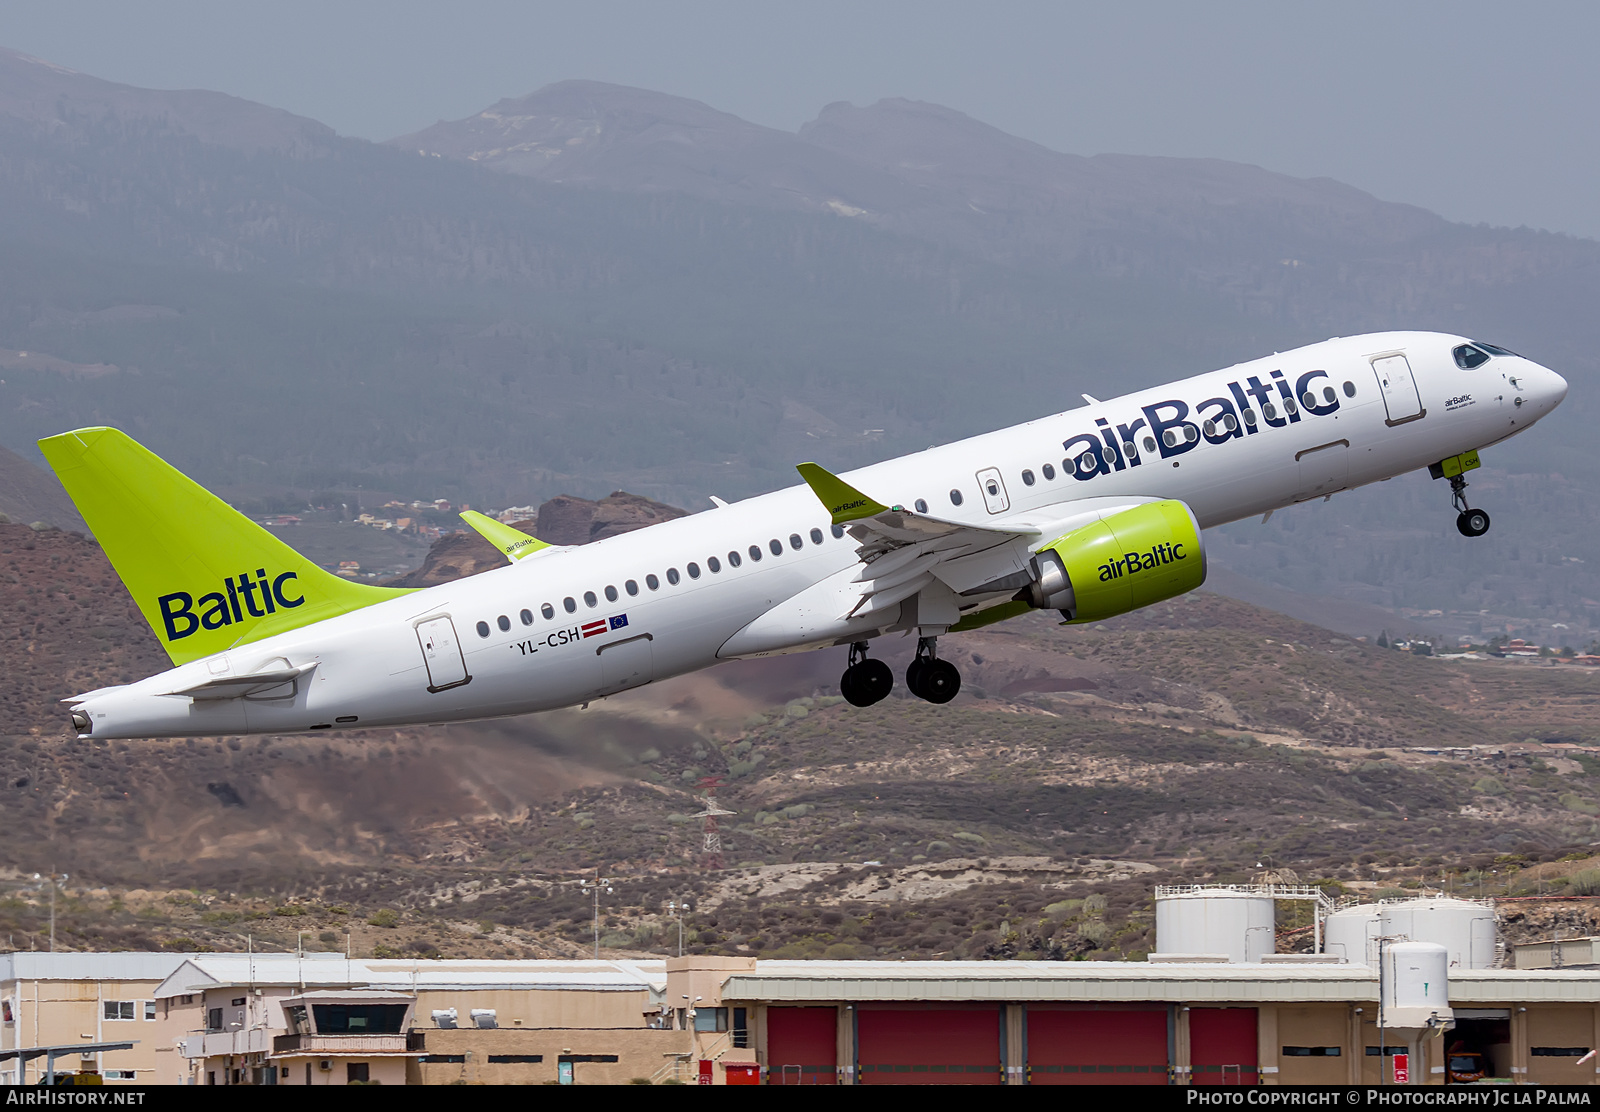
x: 595, y: 888
x: 55, y: 879
x: 677, y: 908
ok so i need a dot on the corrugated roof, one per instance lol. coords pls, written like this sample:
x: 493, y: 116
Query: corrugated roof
x: 128, y: 965
x: 205, y: 971
x: 998, y: 981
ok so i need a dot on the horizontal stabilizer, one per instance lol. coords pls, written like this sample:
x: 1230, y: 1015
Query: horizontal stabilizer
x: 235, y: 687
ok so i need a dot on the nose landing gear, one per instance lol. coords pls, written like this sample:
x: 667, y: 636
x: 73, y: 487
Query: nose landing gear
x: 865, y: 681
x: 1470, y: 522
x: 930, y: 678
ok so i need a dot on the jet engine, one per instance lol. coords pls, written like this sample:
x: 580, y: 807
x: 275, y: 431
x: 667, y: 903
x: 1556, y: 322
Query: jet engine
x: 1122, y: 562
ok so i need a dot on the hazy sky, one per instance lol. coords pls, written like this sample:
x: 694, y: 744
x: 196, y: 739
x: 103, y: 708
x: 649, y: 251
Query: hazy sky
x: 1478, y: 111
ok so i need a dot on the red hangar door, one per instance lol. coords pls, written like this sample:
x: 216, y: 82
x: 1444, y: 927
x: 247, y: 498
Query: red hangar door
x: 936, y: 1045
x: 1223, y: 1046
x: 802, y: 1046
x: 1085, y: 1046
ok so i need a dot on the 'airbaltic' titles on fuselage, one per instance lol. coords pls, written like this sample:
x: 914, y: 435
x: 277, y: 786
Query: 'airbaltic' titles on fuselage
x: 1132, y: 562
x: 217, y: 609
x: 1220, y: 419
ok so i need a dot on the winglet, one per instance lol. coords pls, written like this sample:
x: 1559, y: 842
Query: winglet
x: 514, y: 544
x: 842, y: 500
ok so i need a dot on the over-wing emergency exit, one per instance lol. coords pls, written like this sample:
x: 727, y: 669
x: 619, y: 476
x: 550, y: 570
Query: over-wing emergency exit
x: 1091, y: 512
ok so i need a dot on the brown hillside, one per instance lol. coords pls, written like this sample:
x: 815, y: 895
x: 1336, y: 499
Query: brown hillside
x: 1183, y: 742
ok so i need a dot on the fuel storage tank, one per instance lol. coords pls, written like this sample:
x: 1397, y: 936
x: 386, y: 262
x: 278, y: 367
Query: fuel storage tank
x: 1350, y: 933
x: 1466, y: 929
x: 1237, y: 922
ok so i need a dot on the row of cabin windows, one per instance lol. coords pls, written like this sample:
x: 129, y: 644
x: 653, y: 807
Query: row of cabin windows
x: 1090, y: 460
x: 631, y: 586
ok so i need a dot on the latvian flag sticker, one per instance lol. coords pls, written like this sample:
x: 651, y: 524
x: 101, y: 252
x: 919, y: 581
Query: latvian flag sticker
x: 604, y: 625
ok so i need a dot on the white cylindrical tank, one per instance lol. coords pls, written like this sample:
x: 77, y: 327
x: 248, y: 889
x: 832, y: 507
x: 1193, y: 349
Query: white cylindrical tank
x: 1350, y: 933
x: 1465, y: 929
x: 1240, y: 924
x: 1416, y: 983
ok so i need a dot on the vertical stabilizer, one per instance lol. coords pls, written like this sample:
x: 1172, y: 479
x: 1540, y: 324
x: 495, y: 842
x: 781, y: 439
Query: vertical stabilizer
x: 206, y: 577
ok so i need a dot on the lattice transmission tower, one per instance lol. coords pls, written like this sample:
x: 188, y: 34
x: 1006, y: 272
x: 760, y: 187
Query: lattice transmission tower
x: 712, y: 846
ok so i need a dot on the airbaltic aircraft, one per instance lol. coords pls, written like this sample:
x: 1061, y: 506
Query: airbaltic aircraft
x: 1092, y: 512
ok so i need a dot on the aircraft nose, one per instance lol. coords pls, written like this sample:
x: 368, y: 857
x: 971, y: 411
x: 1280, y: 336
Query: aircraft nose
x: 1558, y: 388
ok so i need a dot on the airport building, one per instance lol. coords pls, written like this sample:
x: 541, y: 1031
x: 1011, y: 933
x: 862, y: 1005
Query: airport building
x: 82, y: 1000
x: 1412, y: 992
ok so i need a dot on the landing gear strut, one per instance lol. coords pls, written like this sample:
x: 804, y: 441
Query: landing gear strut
x: 1470, y: 522
x: 930, y: 678
x: 865, y: 681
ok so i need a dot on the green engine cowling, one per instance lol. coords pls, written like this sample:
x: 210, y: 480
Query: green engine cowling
x: 1120, y: 563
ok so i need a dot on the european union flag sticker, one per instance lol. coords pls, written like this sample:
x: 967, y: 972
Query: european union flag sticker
x: 619, y: 621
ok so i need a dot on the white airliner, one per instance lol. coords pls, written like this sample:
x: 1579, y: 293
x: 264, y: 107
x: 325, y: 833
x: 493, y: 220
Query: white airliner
x: 1093, y: 512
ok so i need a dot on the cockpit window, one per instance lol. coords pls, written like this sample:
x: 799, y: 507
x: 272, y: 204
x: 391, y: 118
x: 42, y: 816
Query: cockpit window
x: 1468, y: 357
x: 1492, y: 350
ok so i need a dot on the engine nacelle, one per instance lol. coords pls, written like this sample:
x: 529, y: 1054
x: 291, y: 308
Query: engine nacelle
x: 1131, y: 559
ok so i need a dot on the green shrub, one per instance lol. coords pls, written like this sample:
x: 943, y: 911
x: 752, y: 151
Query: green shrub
x: 1584, y: 883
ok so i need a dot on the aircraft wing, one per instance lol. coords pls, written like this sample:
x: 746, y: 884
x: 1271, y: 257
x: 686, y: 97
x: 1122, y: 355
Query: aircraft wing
x: 905, y: 553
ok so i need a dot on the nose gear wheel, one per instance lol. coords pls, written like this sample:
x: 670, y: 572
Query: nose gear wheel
x: 1469, y: 522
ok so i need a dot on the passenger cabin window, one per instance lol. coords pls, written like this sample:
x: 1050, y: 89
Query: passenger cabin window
x: 795, y: 542
x: 755, y: 553
x: 631, y: 586
x: 1249, y: 416
x: 920, y: 505
x: 955, y: 497
x: 1050, y: 472
x: 611, y: 593
x: 1027, y: 477
x: 713, y: 563
x: 838, y: 531
x: 775, y: 546
x: 527, y: 617
x: 548, y: 611
x: 1149, y: 443
x: 655, y: 584
x: 1469, y: 357
x: 503, y: 622
x: 570, y: 603
x: 589, y: 599
x: 816, y: 536
x: 483, y: 629
x: 693, y: 569
x: 672, y: 576
x: 1349, y: 389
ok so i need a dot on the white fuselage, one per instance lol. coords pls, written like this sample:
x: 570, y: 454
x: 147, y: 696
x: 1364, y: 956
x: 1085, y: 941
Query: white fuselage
x: 1189, y: 442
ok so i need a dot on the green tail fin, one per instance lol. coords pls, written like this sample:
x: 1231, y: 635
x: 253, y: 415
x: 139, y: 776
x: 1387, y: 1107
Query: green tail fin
x: 206, y: 577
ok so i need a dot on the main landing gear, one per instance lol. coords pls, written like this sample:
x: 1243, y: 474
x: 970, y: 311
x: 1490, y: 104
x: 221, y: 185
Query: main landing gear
x: 865, y: 681
x: 1470, y: 522
x: 930, y: 678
